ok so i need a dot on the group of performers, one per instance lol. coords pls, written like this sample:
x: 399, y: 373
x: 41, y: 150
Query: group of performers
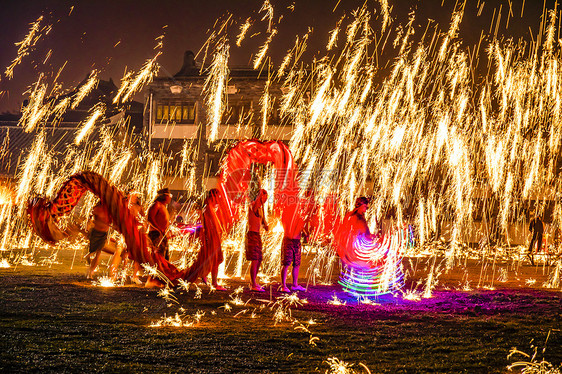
x: 156, y: 224
x: 296, y: 221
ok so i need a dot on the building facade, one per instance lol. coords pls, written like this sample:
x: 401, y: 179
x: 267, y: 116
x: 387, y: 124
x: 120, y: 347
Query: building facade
x: 178, y: 125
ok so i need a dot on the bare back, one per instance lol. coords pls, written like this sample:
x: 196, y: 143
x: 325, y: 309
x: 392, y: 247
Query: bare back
x: 158, y: 217
x: 101, y: 218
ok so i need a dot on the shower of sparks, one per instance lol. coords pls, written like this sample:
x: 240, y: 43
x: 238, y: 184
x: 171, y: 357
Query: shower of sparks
x: 265, y: 102
x: 26, y: 261
x: 29, y: 168
x: 268, y: 9
x: 85, y: 89
x: 125, y: 82
x: 6, y: 195
x: 88, y: 124
x: 263, y: 50
x: 184, y: 285
x: 119, y: 167
x: 25, y: 46
x: 281, y: 315
x: 334, y: 36
x: 238, y: 290
x: 36, y: 111
x: 502, y: 277
x: 154, y: 178
x: 153, y: 272
x: 431, y: 281
x: 131, y: 84
x: 216, y: 85
x: 50, y: 261
x: 434, y: 141
x: 60, y: 108
x: 243, y: 30
x: 385, y: 9
x: 4, y: 264
x: 290, y: 300
x: 411, y: 295
x: 554, y: 280
x: 198, y: 292
x: 366, y: 301
x: 455, y: 22
x: 236, y: 300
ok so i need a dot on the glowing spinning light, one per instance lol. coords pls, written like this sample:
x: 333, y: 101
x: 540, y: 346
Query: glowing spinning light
x: 376, y: 268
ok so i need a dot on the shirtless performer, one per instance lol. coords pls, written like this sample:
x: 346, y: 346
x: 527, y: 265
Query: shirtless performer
x: 294, y: 221
x: 158, y: 222
x: 254, y: 253
x: 99, y: 236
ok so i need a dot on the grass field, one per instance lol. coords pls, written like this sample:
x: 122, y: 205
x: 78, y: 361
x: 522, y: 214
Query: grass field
x: 54, y: 320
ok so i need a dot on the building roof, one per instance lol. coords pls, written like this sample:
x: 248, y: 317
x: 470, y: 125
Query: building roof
x: 191, y: 69
x: 16, y: 144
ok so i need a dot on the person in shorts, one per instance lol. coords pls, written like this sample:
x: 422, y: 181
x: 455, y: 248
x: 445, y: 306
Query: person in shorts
x: 294, y: 219
x: 98, y: 236
x: 254, y: 247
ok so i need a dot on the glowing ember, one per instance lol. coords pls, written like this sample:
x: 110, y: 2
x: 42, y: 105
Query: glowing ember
x: 338, y: 366
x: 412, y: 295
x: 176, y: 321
x: 336, y: 301
x: 104, y: 282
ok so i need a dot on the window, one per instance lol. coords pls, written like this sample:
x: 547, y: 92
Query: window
x: 274, y: 119
x: 178, y: 112
x: 188, y: 113
x: 239, y: 112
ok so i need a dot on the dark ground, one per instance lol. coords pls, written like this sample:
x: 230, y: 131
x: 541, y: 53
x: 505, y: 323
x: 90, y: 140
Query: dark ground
x: 54, y: 320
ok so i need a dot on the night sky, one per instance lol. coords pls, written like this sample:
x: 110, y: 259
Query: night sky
x: 114, y: 35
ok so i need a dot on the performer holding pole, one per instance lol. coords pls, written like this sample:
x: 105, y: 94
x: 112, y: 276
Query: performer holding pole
x: 254, y: 246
